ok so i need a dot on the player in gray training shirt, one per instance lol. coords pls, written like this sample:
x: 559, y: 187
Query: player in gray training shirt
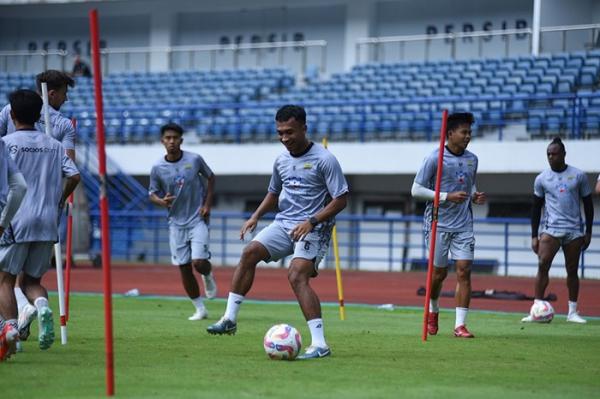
x: 62, y: 128
x: 559, y: 190
x: 455, y: 217
x: 309, y: 188
x: 177, y: 182
x: 26, y: 246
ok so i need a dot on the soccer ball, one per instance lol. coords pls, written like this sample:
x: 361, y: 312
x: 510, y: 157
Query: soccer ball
x: 282, y: 342
x: 542, y: 312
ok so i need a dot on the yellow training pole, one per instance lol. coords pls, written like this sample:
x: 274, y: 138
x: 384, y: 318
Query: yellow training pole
x: 338, y: 269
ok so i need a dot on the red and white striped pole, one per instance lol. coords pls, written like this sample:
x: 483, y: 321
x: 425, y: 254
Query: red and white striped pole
x: 108, y: 327
x: 434, y: 221
x: 69, y: 260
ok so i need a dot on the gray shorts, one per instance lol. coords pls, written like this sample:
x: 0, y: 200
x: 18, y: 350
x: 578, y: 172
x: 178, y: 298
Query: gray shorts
x: 460, y: 244
x: 32, y: 258
x: 276, y: 239
x: 563, y: 236
x: 188, y: 244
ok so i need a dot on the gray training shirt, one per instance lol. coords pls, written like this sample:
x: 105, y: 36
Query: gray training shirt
x: 182, y: 179
x: 62, y: 128
x: 43, y: 163
x: 458, y: 174
x: 305, y: 184
x: 562, y: 192
x: 7, y: 168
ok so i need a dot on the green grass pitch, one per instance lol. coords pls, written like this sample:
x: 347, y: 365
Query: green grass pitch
x: 376, y: 354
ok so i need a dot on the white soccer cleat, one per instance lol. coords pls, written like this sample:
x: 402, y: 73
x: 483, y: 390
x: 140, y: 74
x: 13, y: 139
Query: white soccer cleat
x: 199, y: 315
x: 26, y: 317
x: 210, y: 285
x: 575, y: 318
x: 527, y: 319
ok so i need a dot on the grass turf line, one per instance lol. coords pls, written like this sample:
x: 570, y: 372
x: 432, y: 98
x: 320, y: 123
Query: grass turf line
x: 376, y: 354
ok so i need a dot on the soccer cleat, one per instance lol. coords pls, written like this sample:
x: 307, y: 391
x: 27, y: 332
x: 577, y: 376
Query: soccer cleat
x: 26, y: 317
x: 223, y: 326
x: 9, y: 336
x: 527, y: 319
x: 46, y: 328
x: 575, y: 318
x: 210, y: 285
x: 462, y: 332
x: 432, y: 323
x: 199, y: 315
x: 315, y: 352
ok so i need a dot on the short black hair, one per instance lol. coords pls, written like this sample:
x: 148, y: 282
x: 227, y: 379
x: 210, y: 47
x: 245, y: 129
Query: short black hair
x: 289, y: 111
x: 54, y: 79
x: 559, y: 143
x: 171, y: 126
x: 26, y: 106
x: 459, y: 118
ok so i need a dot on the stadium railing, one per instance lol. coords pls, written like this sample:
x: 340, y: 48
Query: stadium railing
x: 386, y: 243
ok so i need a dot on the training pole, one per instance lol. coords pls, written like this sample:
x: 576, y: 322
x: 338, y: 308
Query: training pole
x: 434, y: 221
x: 57, y: 250
x: 69, y: 255
x: 338, y: 269
x: 108, y: 328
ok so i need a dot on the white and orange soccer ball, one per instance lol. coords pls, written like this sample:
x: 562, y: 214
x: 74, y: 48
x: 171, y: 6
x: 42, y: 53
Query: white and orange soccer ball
x: 282, y: 342
x: 542, y: 312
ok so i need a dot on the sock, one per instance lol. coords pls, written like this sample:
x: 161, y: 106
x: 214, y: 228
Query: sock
x: 22, y: 300
x: 234, y: 301
x: 13, y: 323
x: 40, y: 303
x: 434, y: 305
x: 572, y: 307
x: 198, y: 303
x: 461, y: 317
x: 316, y: 332
x: 538, y: 300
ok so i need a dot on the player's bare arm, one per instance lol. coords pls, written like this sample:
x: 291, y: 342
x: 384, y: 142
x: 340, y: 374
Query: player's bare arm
x: 205, y: 210
x: 269, y: 203
x: 165, y: 201
x: 588, y: 210
x: 332, y: 209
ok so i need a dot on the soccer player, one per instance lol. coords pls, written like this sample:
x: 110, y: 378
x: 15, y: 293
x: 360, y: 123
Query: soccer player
x: 26, y: 246
x: 177, y: 183
x: 309, y: 188
x: 62, y: 130
x: 558, y: 191
x: 12, y: 192
x: 455, y: 217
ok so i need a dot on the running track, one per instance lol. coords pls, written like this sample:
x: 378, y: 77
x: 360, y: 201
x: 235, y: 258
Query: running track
x: 359, y: 287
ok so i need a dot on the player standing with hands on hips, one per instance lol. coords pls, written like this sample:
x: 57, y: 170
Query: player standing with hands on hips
x: 455, y: 217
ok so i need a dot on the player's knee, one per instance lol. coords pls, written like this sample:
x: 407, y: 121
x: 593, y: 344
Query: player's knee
x: 463, y: 273
x: 440, y: 273
x: 297, y: 277
x: 251, y: 254
x: 202, y: 266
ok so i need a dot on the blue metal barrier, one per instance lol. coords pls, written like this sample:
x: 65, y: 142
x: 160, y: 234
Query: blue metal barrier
x: 391, y: 243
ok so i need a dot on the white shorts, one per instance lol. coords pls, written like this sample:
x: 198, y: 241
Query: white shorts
x: 32, y: 258
x: 276, y: 239
x: 563, y: 236
x: 460, y: 244
x: 188, y: 244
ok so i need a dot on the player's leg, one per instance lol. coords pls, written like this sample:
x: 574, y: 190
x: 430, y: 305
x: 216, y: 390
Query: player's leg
x: 440, y: 272
x: 462, y: 247
x: 181, y: 256
x: 271, y: 243
x: 12, y: 258
x: 27, y: 312
x: 200, y: 258
x: 572, y: 252
x: 304, y: 266
x: 36, y: 265
x: 547, y: 248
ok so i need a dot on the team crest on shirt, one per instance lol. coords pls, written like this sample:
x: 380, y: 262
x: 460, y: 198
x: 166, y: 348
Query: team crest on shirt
x: 179, y: 181
x: 460, y: 176
x: 562, y: 187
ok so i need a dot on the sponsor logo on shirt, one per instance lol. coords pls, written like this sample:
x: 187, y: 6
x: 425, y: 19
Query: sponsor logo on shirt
x: 307, y: 165
x: 14, y: 149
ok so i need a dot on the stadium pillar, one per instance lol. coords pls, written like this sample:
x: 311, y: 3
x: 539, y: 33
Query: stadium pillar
x: 536, y: 22
x: 162, y: 31
x: 360, y: 16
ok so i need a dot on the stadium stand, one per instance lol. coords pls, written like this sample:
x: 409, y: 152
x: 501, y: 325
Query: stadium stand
x: 550, y: 95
